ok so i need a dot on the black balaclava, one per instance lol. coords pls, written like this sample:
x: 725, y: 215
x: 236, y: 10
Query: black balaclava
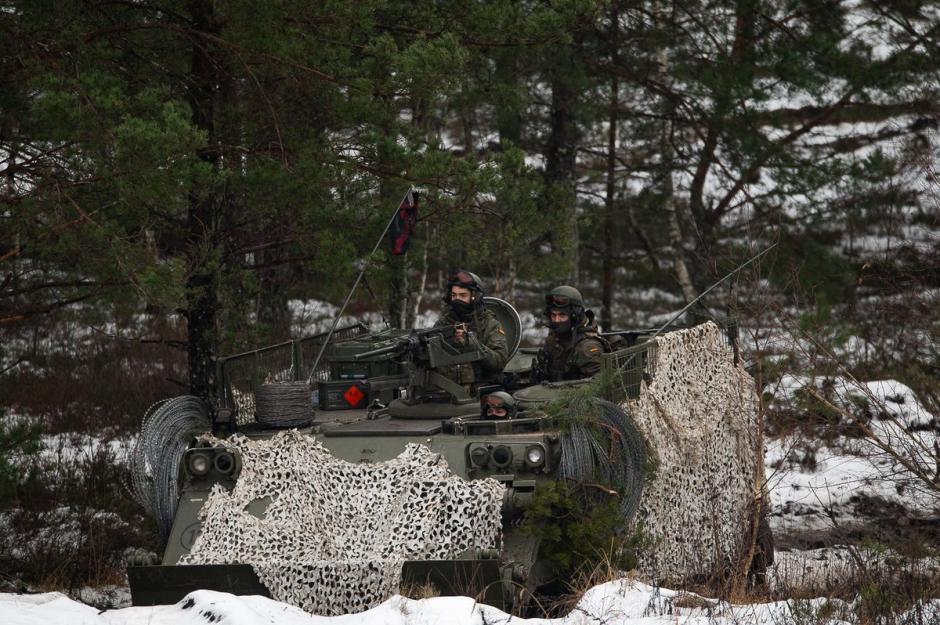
x: 462, y: 310
x: 561, y: 328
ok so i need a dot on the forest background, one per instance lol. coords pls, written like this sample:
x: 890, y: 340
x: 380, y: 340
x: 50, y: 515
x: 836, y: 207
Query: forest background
x: 179, y: 178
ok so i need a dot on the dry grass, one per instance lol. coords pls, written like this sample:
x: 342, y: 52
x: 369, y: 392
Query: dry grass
x: 872, y: 588
x: 417, y: 591
x: 590, y: 574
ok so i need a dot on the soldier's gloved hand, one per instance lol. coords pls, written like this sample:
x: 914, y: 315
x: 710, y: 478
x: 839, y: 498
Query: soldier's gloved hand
x: 460, y: 333
x: 540, y: 366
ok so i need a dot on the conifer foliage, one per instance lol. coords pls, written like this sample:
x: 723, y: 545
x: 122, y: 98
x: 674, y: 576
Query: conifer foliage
x: 204, y: 162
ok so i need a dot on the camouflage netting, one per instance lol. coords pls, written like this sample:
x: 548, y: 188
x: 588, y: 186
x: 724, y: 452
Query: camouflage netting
x: 699, y: 415
x: 335, y: 534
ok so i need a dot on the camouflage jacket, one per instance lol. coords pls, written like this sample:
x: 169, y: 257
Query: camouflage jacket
x: 487, y: 335
x: 576, y: 355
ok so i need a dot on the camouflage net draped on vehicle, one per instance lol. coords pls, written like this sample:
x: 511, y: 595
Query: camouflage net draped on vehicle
x: 699, y: 415
x: 334, y: 536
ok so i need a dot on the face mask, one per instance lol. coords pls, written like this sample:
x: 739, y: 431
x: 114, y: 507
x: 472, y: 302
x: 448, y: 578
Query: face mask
x: 563, y: 327
x: 463, y: 310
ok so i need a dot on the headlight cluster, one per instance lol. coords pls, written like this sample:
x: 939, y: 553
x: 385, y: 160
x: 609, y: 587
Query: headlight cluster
x: 498, y: 456
x: 502, y: 456
x: 202, y: 461
x: 535, y: 456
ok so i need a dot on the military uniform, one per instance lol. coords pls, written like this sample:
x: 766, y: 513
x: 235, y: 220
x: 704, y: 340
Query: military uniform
x: 576, y: 355
x: 488, y: 336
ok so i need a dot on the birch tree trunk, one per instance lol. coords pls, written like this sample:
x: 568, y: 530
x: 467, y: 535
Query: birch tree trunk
x: 422, y: 280
x: 679, y: 267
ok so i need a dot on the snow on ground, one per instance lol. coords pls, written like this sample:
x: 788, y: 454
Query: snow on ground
x: 67, y: 337
x: 63, y: 460
x: 885, y: 398
x: 63, y: 452
x: 315, y: 316
x: 817, y: 486
x: 534, y: 329
x: 621, y: 601
x: 821, y: 492
x: 813, y: 490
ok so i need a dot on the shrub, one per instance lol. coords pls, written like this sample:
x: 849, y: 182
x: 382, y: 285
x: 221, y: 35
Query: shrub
x: 19, y: 446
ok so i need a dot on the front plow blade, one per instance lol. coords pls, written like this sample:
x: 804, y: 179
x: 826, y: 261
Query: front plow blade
x: 165, y: 585
x: 480, y: 579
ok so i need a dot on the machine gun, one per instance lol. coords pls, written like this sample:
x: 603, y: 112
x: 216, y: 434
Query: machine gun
x: 421, y: 352
x: 540, y: 372
x: 431, y: 345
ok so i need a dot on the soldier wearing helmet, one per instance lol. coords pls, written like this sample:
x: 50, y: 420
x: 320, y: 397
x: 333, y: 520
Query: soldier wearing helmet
x: 574, y: 347
x: 476, y: 328
x: 498, y: 405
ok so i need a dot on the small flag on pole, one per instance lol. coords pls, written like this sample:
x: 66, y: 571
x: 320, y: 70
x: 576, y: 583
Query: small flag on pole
x: 403, y: 226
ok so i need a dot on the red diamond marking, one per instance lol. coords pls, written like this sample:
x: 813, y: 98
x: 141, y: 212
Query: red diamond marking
x: 353, y: 395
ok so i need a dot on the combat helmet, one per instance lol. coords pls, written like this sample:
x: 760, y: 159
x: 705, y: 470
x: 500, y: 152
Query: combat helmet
x: 467, y: 280
x: 499, y: 399
x: 566, y: 299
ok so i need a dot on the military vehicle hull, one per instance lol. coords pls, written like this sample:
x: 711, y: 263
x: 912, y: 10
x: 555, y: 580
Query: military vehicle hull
x: 520, y: 453
x: 356, y: 437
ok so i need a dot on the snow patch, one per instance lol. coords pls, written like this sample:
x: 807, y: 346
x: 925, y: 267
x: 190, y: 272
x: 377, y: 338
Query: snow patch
x: 621, y: 601
x: 884, y: 399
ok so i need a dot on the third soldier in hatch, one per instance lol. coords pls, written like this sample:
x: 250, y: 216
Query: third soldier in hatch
x: 475, y: 328
x: 498, y: 405
x: 574, y: 347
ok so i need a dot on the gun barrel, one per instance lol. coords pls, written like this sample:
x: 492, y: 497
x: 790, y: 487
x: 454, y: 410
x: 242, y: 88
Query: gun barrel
x: 381, y: 351
x: 411, y: 341
x: 447, y: 332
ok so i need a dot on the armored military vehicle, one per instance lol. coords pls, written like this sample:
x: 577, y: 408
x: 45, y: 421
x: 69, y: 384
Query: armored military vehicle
x: 366, y: 400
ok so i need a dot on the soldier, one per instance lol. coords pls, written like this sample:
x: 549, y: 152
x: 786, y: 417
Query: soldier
x: 476, y: 328
x: 498, y: 405
x: 573, y: 348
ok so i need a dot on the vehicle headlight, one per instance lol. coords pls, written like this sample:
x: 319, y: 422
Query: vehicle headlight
x: 502, y: 456
x: 480, y: 456
x: 224, y: 463
x: 535, y: 456
x: 199, y: 463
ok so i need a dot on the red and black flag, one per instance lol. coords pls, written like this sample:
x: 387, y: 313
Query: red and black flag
x: 403, y: 225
